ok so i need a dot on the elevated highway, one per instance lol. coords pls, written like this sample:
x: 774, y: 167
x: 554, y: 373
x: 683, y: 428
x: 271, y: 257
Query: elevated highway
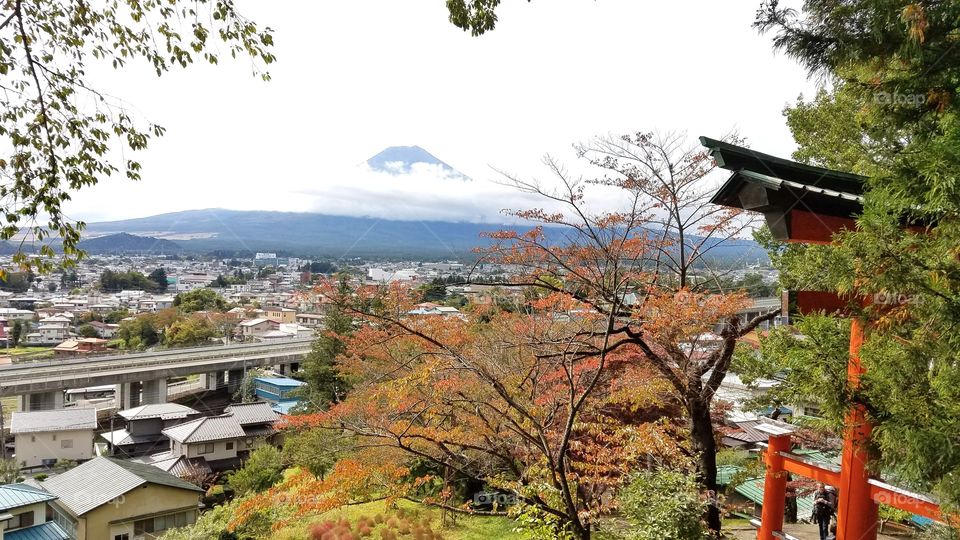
x: 42, y: 383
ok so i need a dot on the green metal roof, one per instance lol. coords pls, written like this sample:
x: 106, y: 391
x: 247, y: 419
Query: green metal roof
x: 752, y: 489
x: 725, y: 474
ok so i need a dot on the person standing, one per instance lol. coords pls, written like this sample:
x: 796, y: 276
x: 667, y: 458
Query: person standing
x: 824, y: 506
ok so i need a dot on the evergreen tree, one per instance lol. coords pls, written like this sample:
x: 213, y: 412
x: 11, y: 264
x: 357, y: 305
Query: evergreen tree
x: 16, y: 332
x: 892, y: 114
x: 159, y: 277
x: 324, y: 383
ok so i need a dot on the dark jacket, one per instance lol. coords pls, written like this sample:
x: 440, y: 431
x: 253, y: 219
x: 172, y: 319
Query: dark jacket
x: 825, y: 505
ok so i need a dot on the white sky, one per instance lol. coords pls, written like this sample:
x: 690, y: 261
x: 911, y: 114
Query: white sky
x: 354, y: 77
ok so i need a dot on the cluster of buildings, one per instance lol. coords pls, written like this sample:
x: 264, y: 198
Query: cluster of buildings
x: 135, y: 474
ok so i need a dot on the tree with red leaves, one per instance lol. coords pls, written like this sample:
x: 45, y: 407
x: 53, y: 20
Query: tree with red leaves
x: 611, y: 366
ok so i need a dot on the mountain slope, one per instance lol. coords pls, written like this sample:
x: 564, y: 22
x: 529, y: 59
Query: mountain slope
x: 401, y: 160
x: 333, y: 236
x: 128, y: 243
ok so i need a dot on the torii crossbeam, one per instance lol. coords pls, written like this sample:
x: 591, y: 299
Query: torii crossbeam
x: 807, y: 204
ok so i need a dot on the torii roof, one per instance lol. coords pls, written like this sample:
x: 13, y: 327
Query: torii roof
x: 780, y: 188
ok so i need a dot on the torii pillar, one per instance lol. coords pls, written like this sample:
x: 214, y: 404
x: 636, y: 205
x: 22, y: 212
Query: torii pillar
x: 856, y: 510
x: 807, y: 204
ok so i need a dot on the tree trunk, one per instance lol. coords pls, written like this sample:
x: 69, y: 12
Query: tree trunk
x: 705, y: 445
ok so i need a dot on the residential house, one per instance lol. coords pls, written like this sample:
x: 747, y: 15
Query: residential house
x: 280, y: 315
x: 113, y: 499
x: 15, y: 314
x: 253, y: 328
x: 296, y: 330
x: 105, y: 330
x: 429, y: 308
x: 257, y: 420
x: 310, y: 320
x: 223, y: 441
x: 142, y: 432
x: 43, y: 437
x: 23, y: 514
x: 50, y: 331
x: 81, y: 347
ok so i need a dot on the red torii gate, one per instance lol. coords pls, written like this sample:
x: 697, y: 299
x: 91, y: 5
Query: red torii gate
x: 807, y: 204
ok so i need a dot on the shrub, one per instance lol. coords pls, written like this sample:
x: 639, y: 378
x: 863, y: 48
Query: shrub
x: 664, y: 505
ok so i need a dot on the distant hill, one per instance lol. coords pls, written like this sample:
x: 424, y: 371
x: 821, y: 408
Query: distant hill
x: 401, y: 159
x: 325, y: 235
x: 129, y: 243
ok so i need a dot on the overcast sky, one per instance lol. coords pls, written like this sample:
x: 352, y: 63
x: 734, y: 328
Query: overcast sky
x: 355, y: 77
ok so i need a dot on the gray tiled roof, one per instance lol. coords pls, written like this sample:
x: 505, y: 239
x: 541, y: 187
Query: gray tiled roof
x: 165, y: 411
x: 175, y: 464
x: 56, y: 420
x: 121, y: 437
x: 103, y: 479
x: 210, y: 428
x: 259, y: 412
x: 17, y: 495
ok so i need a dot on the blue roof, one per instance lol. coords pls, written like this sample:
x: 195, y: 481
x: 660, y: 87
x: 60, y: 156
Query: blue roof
x: 283, y: 407
x: 279, y: 381
x: 17, y: 495
x: 44, y: 531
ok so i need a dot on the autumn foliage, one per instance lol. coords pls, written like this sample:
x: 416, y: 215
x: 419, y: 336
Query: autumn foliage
x: 609, y: 363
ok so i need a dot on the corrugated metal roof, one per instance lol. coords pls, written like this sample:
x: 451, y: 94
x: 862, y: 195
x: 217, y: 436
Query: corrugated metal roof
x: 259, y: 412
x: 284, y: 407
x: 210, y: 428
x: 17, y: 495
x: 44, y: 531
x: 103, y: 479
x: 165, y: 411
x: 280, y: 381
x: 753, y: 489
x: 725, y: 474
x: 56, y: 420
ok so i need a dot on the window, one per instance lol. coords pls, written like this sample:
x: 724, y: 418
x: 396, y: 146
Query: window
x: 65, y: 522
x: 19, y: 521
x: 205, y: 448
x: 54, y: 436
x: 229, y: 446
x: 161, y: 523
x: 26, y: 519
x: 33, y: 438
x: 66, y: 443
x: 124, y: 536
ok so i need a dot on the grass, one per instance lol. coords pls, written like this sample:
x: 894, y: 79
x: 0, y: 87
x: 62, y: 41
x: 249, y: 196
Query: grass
x: 20, y: 354
x: 10, y: 404
x: 466, y: 528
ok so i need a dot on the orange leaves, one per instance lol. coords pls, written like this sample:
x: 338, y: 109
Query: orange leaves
x: 679, y: 316
x: 915, y: 17
x: 351, y: 480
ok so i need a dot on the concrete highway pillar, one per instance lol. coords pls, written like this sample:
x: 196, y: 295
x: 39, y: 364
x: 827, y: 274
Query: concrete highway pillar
x: 214, y: 380
x: 155, y: 391
x: 44, y: 401
x: 127, y: 395
x: 234, y: 378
